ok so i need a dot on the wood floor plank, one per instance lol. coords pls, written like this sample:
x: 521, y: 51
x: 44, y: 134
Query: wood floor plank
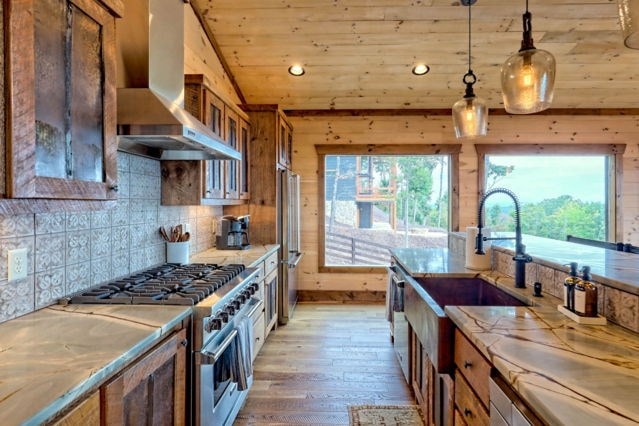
x: 326, y: 358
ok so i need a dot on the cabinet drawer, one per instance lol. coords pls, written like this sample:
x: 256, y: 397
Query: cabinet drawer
x: 258, y: 335
x: 270, y: 263
x: 471, y: 409
x: 473, y: 365
x: 260, y: 272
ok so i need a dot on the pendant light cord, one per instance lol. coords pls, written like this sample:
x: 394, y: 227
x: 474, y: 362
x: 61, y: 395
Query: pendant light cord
x: 469, y: 32
x: 469, y: 78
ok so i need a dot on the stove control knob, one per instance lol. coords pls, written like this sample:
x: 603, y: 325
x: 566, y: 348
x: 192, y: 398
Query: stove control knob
x: 213, y: 324
x: 249, y: 292
x: 255, y: 287
x: 230, y: 309
x: 241, y: 298
x: 236, y: 304
x: 223, y: 316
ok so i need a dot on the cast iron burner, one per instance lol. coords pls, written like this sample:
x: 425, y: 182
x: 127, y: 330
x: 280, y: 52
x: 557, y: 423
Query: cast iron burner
x: 168, y: 284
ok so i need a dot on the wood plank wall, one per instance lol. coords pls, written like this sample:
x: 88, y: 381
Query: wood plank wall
x: 392, y: 129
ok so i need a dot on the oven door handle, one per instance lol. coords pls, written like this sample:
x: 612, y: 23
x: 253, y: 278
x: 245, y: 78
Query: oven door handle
x: 207, y: 357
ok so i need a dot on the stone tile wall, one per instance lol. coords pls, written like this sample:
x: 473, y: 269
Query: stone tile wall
x: 617, y: 306
x: 69, y: 252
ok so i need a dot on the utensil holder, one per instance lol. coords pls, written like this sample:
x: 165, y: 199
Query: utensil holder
x: 177, y: 252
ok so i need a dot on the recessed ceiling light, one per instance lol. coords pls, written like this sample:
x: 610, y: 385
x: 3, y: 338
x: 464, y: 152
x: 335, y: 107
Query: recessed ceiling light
x: 421, y: 69
x: 296, y: 70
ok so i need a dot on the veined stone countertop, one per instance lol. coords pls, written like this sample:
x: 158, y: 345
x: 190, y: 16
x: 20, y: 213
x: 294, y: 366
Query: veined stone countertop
x: 568, y: 372
x: 613, y: 268
x: 249, y: 257
x: 51, y: 357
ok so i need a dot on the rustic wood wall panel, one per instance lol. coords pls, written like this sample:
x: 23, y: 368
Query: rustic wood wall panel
x: 371, y: 129
x: 359, y: 54
x: 200, y: 58
x: 2, y: 130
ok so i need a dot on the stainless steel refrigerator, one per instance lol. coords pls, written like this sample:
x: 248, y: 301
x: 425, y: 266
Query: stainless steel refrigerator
x: 289, y: 240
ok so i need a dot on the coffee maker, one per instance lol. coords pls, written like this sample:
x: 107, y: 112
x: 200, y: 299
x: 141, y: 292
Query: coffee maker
x: 233, y: 233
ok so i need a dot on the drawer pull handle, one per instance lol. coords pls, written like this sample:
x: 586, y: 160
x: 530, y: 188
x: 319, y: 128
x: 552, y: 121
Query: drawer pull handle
x: 468, y: 364
x: 467, y: 412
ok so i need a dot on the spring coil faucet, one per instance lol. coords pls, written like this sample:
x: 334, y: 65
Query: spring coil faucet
x: 520, y: 258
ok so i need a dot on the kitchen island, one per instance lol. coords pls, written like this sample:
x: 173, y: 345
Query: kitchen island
x: 567, y: 372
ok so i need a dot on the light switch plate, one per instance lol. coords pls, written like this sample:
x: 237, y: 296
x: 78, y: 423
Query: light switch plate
x: 17, y: 264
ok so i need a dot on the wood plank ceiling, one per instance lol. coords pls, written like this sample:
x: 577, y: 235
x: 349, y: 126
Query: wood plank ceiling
x: 358, y: 54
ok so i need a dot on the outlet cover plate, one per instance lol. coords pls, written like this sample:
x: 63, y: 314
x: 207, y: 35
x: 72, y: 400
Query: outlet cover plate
x: 17, y: 264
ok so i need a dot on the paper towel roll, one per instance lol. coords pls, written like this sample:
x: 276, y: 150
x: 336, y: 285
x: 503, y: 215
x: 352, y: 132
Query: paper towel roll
x: 477, y: 261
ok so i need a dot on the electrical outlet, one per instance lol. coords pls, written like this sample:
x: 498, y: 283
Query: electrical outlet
x: 17, y: 264
x: 187, y: 227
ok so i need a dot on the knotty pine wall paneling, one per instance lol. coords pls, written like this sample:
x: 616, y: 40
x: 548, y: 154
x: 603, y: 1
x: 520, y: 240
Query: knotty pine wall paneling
x: 314, y: 129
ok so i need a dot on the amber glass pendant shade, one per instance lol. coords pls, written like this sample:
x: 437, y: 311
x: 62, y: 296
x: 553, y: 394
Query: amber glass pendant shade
x: 470, y: 117
x: 470, y: 114
x: 629, y: 20
x: 528, y: 76
x: 527, y: 81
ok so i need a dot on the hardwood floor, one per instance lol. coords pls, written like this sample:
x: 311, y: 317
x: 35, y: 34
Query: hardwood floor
x: 327, y: 358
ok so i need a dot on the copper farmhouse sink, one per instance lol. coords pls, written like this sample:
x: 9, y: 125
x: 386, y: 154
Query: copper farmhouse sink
x: 425, y: 299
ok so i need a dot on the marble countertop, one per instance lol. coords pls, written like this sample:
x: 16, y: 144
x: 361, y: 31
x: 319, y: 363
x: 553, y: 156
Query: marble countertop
x: 52, y: 356
x: 249, y: 257
x: 569, y: 373
x: 616, y: 269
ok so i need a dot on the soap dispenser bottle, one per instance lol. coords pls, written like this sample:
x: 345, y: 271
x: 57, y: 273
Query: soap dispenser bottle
x: 569, y: 287
x: 586, y: 295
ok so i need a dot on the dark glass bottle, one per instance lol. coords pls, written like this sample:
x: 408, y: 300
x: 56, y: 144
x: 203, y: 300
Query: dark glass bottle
x: 569, y: 287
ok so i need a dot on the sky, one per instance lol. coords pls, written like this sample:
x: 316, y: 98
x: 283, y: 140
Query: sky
x: 536, y: 178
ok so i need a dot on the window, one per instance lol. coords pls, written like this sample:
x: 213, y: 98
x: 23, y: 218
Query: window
x: 375, y: 201
x: 563, y: 190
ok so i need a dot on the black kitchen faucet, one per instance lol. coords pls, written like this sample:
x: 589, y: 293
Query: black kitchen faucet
x: 520, y: 258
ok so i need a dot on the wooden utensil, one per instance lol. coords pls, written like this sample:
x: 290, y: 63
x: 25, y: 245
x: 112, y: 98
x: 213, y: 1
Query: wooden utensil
x: 164, y: 234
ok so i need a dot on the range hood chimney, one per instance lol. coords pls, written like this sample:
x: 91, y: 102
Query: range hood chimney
x: 151, y: 117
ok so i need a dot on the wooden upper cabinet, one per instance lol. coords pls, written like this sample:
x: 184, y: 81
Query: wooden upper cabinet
x: 245, y: 166
x: 60, y: 104
x: 232, y: 188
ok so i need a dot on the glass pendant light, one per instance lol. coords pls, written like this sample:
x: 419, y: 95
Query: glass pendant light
x: 528, y: 77
x: 629, y: 19
x: 470, y: 114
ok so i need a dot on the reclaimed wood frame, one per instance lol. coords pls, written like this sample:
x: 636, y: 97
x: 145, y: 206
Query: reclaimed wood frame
x: 21, y: 179
x: 452, y: 150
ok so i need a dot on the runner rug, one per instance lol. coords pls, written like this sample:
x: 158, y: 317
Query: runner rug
x: 384, y: 415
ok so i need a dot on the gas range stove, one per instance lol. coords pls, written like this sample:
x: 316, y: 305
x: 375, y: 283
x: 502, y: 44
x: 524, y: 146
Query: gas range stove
x: 168, y: 284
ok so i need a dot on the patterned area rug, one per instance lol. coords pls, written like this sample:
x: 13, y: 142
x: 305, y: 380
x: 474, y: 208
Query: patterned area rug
x: 384, y: 415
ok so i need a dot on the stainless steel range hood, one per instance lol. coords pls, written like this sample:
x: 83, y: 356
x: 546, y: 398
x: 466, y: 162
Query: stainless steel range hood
x: 151, y: 117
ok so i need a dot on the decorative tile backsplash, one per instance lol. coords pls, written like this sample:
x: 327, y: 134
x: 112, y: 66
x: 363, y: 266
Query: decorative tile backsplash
x: 617, y: 306
x: 69, y: 252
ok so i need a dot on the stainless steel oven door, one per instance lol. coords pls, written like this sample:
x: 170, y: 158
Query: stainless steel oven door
x: 223, y: 377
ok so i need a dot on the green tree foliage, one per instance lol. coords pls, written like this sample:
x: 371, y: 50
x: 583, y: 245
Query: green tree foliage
x: 553, y: 218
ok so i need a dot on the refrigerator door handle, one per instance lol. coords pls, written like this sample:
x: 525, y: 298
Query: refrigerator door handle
x: 292, y: 262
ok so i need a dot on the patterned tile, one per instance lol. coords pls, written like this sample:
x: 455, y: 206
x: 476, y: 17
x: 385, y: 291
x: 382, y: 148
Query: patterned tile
x: 144, y: 186
x: 621, y: 308
x: 50, y: 223
x: 124, y: 184
x: 123, y: 161
x: 137, y: 236
x: 100, y: 219
x: 145, y: 166
x: 120, y: 213
x: 78, y: 246
x: 78, y: 221
x: 16, y: 298
x: 49, y: 251
x: 100, y: 242
x: 7, y: 244
x: 78, y: 277
x: 100, y: 270
x: 120, y: 264
x: 137, y: 260
x: 119, y: 239
x: 49, y: 287
x: 155, y: 254
x: 17, y: 226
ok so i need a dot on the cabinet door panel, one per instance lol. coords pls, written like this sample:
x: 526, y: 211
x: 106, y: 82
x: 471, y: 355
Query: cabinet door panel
x: 86, y: 99
x: 50, y: 94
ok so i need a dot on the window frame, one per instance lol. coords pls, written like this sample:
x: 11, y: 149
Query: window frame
x: 615, y: 171
x: 452, y: 150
